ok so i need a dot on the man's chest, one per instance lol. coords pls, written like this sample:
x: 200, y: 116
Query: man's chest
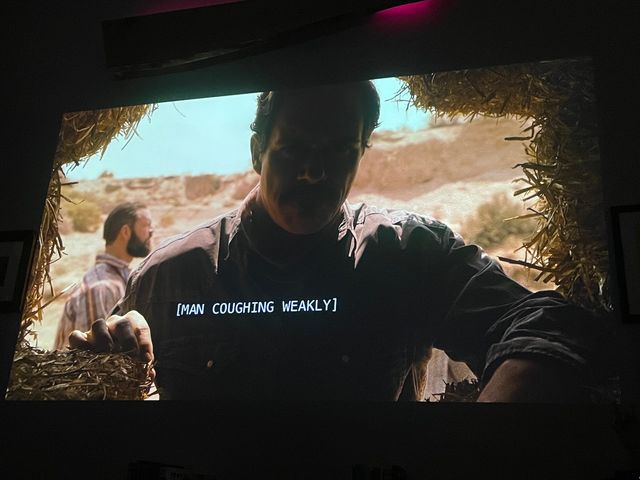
x: 339, y: 333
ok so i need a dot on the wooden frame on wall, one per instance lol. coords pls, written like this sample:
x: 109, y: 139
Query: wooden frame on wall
x: 625, y: 221
x: 16, y: 253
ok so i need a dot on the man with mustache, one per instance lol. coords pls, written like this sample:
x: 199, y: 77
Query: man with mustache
x: 356, y: 295
x: 127, y: 233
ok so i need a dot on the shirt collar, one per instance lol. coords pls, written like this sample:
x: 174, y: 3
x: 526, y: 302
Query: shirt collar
x: 113, y: 261
x: 243, y: 213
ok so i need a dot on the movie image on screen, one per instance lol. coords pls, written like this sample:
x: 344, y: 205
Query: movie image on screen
x: 405, y: 238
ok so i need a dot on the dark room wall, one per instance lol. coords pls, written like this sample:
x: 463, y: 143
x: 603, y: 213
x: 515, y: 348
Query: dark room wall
x: 54, y: 62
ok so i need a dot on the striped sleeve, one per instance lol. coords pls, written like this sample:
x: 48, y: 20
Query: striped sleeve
x: 100, y: 299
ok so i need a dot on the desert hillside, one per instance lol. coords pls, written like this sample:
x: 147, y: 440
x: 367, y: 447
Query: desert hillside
x: 460, y: 173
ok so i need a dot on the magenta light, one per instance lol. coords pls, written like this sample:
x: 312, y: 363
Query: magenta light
x: 409, y: 10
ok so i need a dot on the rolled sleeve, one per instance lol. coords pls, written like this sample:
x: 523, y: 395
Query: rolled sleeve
x: 490, y: 318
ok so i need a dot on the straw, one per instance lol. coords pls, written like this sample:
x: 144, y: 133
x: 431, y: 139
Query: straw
x: 556, y: 102
x: 37, y: 374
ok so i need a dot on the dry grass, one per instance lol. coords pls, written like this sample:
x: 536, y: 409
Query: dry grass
x: 496, y: 220
x: 77, y: 375
x: 82, y: 134
x: 558, y: 101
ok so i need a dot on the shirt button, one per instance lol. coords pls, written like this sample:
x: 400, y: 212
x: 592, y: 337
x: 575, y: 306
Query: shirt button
x: 345, y: 358
x: 210, y: 364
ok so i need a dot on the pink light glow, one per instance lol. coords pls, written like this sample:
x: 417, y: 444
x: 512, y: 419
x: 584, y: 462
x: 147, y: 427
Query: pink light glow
x: 410, y: 14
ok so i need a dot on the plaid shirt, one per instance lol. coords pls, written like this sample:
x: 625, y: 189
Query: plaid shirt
x: 102, y: 286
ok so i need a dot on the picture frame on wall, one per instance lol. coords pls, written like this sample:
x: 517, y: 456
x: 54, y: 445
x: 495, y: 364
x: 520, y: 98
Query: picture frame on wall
x: 16, y: 254
x: 626, y: 232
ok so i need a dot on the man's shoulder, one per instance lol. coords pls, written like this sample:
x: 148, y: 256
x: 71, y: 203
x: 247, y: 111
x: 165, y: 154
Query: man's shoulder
x: 409, y: 235
x: 98, y: 280
x: 187, y: 260
x: 207, y: 239
x: 101, y: 270
x: 404, y: 222
x: 98, y: 276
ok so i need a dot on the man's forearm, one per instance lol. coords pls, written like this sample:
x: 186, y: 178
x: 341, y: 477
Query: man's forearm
x: 524, y: 380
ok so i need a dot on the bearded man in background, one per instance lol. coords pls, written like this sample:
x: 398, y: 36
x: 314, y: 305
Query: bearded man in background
x: 127, y: 233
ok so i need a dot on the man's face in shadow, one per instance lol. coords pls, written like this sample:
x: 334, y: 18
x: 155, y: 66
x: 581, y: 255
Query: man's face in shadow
x: 311, y: 157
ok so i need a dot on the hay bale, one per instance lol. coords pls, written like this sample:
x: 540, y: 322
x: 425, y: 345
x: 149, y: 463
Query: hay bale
x: 463, y: 391
x: 77, y: 375
x: 82, y: 134
x: 556, y: 100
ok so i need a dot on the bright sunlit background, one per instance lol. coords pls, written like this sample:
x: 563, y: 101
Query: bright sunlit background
x: 211, y: 135
x: 191, y: 162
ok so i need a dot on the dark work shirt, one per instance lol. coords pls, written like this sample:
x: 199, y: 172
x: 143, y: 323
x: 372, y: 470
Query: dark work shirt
x: 354, y: 318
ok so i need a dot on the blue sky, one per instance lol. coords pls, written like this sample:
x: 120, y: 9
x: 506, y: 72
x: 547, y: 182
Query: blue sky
x: 211, y: 135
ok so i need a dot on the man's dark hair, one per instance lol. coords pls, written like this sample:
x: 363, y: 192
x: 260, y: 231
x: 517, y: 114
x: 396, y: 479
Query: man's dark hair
x: 124, y: 214
x: 269, y: 102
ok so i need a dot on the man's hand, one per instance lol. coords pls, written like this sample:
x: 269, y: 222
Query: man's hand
x: 531, y: 381
x: 129, y: 334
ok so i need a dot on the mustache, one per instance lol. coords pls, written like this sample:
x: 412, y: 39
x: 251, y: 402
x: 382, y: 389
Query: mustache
x: 320, y: 191
x: 325, y: 190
